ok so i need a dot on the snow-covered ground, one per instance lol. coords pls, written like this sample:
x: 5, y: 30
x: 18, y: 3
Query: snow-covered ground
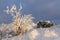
x: 52, y: 33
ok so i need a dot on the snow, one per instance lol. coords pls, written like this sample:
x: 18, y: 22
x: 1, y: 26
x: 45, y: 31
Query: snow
x: 52, y: 33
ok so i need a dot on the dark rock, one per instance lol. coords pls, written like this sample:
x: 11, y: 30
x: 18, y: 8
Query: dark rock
x: 44, y: 24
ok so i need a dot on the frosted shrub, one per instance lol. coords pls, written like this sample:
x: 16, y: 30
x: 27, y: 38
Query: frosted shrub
x: 21, y: 24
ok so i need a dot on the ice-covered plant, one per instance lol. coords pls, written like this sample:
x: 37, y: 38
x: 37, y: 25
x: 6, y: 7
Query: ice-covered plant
x: 21, y: 23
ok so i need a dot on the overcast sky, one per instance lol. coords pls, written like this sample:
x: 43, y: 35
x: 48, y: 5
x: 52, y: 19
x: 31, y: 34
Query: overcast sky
x: 40, y: 9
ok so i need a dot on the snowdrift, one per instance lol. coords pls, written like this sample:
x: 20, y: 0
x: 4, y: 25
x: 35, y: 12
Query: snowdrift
x: 52, y: 33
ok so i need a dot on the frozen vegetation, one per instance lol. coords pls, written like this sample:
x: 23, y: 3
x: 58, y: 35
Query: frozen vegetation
x: 23, y: 28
